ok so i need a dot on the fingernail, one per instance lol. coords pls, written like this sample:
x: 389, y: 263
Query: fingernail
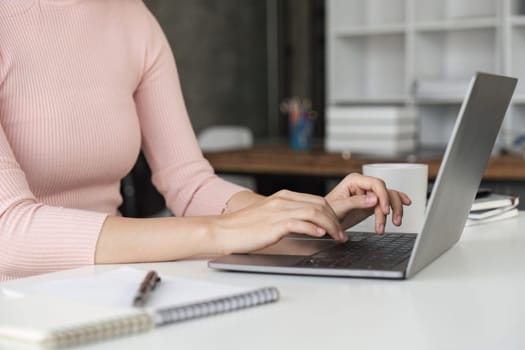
x: 398, y: 220
x: 381, y: 228
x: 370, y: 199
x: 321, y: 231
x: 343, y: 236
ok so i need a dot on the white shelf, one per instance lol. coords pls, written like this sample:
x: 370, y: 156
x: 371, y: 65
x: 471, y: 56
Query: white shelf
x: 430, y: 10
x: 378, y: 49
x: 519, y: 99
x: 518, y: 20
x: 366, y: 67
x: 436, y: 124
x: 454, y: 55
x: 369, y: 30
x: 392, y: 99
x: 360, y: 13
x: 517, y: 59
x: 452, y: 100
x: 457, y: 24
x: 518, y: 111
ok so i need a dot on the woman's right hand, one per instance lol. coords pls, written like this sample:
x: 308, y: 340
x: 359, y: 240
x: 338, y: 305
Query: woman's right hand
x: 266, y: 221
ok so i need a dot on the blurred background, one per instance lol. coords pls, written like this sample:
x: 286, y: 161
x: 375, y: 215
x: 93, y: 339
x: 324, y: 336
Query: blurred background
x: 385, y: 78
x: 237, y: 60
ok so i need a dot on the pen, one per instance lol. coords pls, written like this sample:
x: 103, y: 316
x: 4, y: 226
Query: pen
x: 146, y: 286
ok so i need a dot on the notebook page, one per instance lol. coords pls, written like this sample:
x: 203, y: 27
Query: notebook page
x: 118, y: 287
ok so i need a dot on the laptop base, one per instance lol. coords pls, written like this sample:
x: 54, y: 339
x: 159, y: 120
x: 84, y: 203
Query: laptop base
x: 364, y: 255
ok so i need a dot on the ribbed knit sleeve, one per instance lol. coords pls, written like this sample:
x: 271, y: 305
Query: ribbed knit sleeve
x: 180, y: 171
x: 83, y: 85
x: 36, y: 238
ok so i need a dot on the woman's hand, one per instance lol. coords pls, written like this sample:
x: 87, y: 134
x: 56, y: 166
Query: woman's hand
x: 266, y: 221
x: 356, y: 197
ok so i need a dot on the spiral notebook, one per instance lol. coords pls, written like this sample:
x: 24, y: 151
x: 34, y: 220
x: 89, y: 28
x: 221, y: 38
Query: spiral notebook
x: 97, y: 307
x: 50, y: 323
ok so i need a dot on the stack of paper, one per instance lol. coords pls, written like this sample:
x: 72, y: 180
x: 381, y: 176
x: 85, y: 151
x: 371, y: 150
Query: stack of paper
x: 374, y: 130
x: 492, y: 208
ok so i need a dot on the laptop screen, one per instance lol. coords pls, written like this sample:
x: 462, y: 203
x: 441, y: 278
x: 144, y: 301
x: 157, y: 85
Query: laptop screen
x: 477, y: 126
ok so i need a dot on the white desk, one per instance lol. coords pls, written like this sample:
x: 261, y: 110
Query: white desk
x: 470, y: 298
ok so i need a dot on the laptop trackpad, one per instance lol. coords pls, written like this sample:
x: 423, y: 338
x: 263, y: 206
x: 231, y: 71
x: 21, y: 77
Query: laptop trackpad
x: 297, y: 245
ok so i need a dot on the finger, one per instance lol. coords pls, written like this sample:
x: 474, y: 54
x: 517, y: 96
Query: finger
x: 375, y: 185
x: 317, y: 217
x: 345, y: 188
x: 405, y: 199
x: 380, y: 219
x: 298, y: 200
x: 286, y: 207
x: 380, y: 190
x: 342, y: 206
x: 300, y: 226
x: 357, y: 191
x: 397, y: 207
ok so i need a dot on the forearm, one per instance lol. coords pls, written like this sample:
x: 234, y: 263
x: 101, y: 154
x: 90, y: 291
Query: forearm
x: 127, y: 240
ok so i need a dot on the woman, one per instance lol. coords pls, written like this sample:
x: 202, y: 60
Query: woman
x: 84, y: 85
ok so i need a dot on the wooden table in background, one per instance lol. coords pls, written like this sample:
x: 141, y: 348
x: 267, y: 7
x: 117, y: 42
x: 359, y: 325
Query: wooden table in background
x: 282, y: 161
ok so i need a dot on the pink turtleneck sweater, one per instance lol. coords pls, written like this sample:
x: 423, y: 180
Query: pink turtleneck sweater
x: 84, y: 84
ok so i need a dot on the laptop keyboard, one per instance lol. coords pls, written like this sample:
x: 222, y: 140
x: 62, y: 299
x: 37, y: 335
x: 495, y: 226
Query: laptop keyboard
x: 364, y: 251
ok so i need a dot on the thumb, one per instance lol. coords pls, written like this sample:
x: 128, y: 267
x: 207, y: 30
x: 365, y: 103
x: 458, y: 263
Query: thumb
x: 344, y: 205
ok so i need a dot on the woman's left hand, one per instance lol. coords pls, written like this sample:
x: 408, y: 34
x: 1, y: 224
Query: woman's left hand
x: 356, y: 192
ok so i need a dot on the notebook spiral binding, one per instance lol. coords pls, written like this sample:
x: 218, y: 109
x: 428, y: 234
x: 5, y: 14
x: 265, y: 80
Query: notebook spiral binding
x: 92, y: 332
x: 217, y: 306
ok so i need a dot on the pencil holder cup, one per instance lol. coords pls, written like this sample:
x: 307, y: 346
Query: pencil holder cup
x: 301, y: 133
x: 300, y: 122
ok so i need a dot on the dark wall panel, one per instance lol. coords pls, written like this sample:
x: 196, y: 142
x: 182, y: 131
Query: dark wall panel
x: 220, y: 48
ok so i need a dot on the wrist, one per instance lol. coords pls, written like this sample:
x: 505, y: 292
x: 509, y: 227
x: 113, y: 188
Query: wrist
x: 205, y: 237
x: 216, y: 235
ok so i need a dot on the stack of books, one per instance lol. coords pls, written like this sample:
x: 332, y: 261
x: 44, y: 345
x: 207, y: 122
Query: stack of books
x: 371, y: 130
x: 491, y: 208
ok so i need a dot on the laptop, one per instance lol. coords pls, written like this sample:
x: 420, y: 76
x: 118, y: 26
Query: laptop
x: 402, y: 255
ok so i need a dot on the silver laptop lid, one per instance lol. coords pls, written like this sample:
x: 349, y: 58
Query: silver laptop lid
x: 461, y: 171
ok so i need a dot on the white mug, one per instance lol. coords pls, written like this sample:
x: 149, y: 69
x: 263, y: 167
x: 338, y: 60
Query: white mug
x: 410, y: 178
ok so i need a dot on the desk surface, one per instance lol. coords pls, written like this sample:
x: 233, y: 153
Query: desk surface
x: 280, y: 160
x: 470, y: 298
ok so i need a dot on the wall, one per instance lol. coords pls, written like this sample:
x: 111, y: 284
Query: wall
x: 301, y: 50
x: 220, y: 49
